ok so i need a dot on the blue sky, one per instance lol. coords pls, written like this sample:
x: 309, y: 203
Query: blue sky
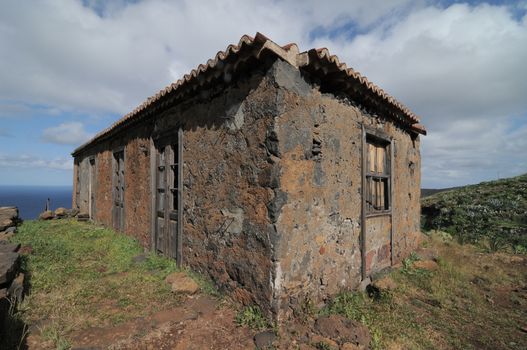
x: 70, y: 68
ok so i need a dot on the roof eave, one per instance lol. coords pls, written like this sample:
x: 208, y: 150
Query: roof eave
x: 259, y: 44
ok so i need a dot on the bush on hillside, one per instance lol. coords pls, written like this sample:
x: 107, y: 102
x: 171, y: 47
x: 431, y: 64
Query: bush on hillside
x: 493, y: 214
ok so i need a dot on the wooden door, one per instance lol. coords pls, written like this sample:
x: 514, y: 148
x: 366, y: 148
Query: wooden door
x: 168, y: 213
x: 376, y: 205
x: 92, y: 189
x: 118, y: 190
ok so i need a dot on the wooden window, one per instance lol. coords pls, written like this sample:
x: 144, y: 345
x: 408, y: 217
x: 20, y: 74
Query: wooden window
x: 377, y: 175
x: 161, y: 180
x: 175, y: 179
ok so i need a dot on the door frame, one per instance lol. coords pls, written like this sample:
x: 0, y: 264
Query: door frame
x: 92, y: 186
x: 381, y: 135
x: 163, y: 140
x: 120, y: 149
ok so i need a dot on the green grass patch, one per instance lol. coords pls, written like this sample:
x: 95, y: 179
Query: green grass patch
x: 252, y: 317
x: 83, y: 275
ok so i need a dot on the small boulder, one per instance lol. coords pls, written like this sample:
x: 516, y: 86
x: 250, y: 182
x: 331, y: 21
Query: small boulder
x: 138, y: 259
x: 351, y: 346
x: 428, y: 265
x: 343, y: 330
x: 385, y: 283
x: 73, y: 212
x: 47, y: 215
x: 61, y: 212
x: 318, y: 340
x: 427, y: 253
x: 264, y: 340
x: 181, y: 283
x: 11, y: 229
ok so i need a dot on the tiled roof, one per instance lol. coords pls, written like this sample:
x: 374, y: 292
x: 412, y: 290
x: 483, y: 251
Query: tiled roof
x: 315, y: 59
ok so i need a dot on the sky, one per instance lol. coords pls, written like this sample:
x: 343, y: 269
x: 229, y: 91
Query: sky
x: 70, y: 68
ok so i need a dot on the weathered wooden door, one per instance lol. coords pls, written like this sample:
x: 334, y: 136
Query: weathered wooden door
x: 168, y: 207
x: 118, y: 190
x: 377, y: 201
x: 92, y: 189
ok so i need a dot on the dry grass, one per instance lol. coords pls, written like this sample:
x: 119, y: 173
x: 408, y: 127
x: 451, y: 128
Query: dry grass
x: 83, y: 275
x: 474, y: 300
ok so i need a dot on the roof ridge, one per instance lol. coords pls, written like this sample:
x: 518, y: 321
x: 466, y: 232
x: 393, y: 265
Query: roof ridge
x: 288, y: 52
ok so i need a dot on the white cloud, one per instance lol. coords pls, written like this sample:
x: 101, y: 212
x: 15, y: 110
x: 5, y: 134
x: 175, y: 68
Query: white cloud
x: 463, y: 70
x: 461, y: 67
x: 478, y: 151
x: 71, y: 133
x: 31, y: 162
x: 65, y: 54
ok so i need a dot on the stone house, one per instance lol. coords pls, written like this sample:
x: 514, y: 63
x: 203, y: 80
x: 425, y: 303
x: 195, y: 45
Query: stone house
x: 283, y: 175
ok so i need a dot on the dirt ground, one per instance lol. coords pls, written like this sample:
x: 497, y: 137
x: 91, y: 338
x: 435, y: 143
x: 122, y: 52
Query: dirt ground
x: 201, y: 323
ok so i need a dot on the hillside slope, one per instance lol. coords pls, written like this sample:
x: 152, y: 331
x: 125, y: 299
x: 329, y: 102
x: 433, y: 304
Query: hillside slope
x: 491, y: 213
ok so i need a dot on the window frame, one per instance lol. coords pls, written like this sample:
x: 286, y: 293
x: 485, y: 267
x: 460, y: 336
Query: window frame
x: 378, y: 140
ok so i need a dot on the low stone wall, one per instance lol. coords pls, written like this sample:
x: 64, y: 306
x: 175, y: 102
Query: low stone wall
x: 11, y: 279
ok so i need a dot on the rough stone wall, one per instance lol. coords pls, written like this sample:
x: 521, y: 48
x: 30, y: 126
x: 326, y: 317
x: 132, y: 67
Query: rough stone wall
x: 228, y: 182
x: 378, y: 254
x: 272, y: 188
x: 137, y: 197
x: 137, y: 182
x: 407, y: 196
x: 227, y: 185
x: 319, y: 224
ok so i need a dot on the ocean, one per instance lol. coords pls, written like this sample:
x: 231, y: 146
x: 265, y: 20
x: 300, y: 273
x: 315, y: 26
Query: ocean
x: 31, y: 200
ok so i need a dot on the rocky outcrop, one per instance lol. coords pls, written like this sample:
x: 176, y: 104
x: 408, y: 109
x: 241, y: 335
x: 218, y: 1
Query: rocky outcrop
x: 11, y: 280
x: 47, y: 215
x: 8, y: 218
x: 63, y: 213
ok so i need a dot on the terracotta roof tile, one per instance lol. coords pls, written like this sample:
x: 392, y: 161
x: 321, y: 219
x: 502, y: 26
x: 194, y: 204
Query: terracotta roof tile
x: 259, y: 43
